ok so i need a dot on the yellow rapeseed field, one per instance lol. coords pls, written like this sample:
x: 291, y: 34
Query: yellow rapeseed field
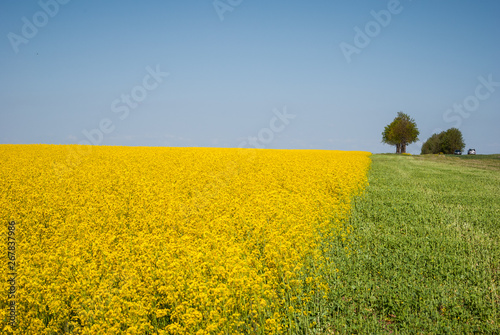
x: 140, y: 240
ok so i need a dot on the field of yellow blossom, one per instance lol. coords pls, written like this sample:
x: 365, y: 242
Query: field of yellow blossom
x: 142, y: 240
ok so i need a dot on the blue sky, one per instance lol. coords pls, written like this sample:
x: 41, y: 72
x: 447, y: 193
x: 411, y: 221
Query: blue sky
x: 230, y: 73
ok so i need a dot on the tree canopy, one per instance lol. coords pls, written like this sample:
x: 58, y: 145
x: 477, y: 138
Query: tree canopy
x: 446, y: 142
x: 401, y: 132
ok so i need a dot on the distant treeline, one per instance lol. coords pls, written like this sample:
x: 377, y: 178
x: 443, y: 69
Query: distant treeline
x: 445, y: 142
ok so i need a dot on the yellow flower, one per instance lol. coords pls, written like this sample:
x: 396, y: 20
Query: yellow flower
x: 173, y: 240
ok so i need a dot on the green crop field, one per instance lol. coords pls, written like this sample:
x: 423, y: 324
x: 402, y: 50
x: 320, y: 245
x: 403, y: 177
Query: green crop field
x: 427, y: 260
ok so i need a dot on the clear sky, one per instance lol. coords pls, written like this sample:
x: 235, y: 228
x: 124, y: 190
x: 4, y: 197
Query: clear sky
x: 275, y: 74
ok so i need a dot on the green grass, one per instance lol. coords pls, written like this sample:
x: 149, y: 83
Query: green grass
x: 427, y: 254
x: 491, y: 162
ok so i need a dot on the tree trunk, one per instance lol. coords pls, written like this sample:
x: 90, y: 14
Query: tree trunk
x: 398, y: 148
x: 403, y: 148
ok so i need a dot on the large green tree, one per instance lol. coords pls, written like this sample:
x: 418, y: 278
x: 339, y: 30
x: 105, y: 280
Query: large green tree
x: 401, y: 132
x: 446, y: 142
x: 454, y: 140
x: 432, y: 145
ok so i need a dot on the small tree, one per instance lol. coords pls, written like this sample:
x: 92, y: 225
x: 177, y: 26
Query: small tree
x: 401, y: 132
x: 432, y: 145
x: 454, y: 139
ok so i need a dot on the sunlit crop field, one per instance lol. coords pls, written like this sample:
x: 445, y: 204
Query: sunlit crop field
x: 136, y: 240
